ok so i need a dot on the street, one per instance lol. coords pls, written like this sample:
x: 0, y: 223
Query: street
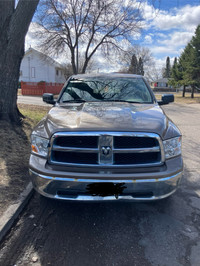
x: 165, y: 232
x: 35, y: 100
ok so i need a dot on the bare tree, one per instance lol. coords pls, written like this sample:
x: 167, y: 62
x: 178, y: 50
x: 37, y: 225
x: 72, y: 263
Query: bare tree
x: 142, y: 54
x: 139, y: 51
x: 14, y: 22
x: 84, y: 26
x: 68, y: 71
x: 153, y: 73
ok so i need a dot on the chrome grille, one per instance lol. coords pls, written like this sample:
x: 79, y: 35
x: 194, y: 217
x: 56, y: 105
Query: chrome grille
x: 109, y: 149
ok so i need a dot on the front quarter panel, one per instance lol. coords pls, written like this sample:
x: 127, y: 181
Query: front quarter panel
x: 41, y: 130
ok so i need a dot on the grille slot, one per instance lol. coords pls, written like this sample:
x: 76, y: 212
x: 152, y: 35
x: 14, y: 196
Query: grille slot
x: 136, y: 158
x: 122, y: 142
x: 77, y: 141
x: 74, y: 157
x: 106, y: 149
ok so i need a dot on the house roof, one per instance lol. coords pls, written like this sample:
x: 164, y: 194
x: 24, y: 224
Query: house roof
x: 44, y: 57
x: 163, y: 80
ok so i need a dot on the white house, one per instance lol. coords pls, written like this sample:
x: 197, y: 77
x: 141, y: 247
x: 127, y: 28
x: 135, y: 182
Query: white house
x: 161, y: 83
x: 36, y: 67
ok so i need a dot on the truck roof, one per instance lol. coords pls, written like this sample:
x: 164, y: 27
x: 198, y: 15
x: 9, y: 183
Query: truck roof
x: 108, y: 75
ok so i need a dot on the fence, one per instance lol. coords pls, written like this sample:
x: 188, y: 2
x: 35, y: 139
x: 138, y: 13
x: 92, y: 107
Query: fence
x: 38, y: 88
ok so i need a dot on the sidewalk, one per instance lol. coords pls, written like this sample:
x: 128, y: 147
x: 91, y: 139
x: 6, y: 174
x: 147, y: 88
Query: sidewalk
x: 13, y: 210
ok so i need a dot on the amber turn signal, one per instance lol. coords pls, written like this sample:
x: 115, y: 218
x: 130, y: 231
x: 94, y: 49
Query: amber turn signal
x: 34, y: 149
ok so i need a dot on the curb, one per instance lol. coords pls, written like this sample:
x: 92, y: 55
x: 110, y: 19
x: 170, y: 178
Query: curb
x: 13, y: 211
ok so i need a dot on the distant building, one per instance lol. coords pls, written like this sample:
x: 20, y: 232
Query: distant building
x: 36, y: 67
x: 161, y: 83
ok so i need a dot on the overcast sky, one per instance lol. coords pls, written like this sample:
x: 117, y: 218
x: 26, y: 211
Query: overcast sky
x: 168, y: 26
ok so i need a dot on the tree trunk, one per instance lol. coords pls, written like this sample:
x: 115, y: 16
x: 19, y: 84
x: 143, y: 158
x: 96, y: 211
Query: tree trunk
x: 183, y: 91
x: 85, y: 66
x: 9, y: 76
x: 13, y: 27
x: 73, y: 61
x: 192, y: 92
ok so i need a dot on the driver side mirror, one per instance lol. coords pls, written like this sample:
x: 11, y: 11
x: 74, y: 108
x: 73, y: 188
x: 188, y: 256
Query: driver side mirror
x: 48, y: 98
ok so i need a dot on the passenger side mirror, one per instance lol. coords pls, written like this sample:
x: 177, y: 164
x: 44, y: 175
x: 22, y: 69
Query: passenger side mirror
x: 48, y: 98
x: 166, y: 98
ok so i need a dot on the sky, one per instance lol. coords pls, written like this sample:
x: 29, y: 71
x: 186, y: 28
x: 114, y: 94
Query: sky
x: 168, y: 26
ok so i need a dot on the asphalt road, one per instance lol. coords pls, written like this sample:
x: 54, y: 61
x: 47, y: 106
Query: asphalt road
x: 35, y: 100
x: 161, y: 233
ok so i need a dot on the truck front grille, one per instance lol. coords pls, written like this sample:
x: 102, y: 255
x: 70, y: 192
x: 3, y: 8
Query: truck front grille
x: 107, y: 149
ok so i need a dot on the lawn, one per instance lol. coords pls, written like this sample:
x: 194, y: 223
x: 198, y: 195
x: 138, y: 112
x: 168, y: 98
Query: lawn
x: 182, y: 100
x: 33, y: 113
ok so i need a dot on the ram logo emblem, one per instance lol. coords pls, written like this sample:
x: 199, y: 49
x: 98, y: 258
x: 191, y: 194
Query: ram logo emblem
x: 105, y: 150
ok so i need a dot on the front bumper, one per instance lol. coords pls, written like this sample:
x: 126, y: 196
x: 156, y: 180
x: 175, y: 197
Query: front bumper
x: 102, y: 187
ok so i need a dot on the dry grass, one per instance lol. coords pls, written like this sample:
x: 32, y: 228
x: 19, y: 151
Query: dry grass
x: 187, y: 99
x: 33, y: 112
x: 183, y: 100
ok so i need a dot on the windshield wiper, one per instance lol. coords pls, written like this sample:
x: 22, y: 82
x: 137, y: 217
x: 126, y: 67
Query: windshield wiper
x: 103, y: 100
x: 122, y: 101
x: 74, y: 101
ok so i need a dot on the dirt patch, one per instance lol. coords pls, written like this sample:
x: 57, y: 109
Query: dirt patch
x: 14, y: 156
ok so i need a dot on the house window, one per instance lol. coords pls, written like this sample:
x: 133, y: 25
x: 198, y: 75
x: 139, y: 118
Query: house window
x: 33, y: 72
x: 57, y: 72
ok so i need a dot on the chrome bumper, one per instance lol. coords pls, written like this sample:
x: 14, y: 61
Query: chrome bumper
x: 80, y: 189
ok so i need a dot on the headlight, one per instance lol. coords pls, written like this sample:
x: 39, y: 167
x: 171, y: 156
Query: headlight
x: 39, y: 145
x: 172, y: 147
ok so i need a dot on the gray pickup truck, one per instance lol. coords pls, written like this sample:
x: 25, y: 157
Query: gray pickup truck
x: 106, y: 138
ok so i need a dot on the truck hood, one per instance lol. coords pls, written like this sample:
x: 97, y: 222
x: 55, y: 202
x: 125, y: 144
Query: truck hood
x: 107, y: 116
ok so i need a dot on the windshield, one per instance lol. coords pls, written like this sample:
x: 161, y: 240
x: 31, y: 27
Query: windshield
x: 107, y: 89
